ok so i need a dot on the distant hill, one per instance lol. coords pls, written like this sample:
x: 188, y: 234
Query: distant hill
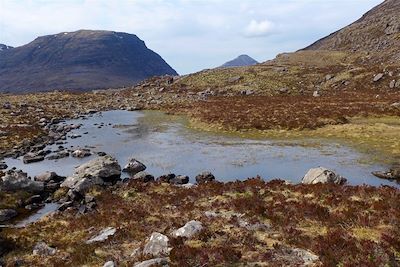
x: 377, y: 31
x: 80, y: 60
x: 4, y: 47
x: 240, y: 61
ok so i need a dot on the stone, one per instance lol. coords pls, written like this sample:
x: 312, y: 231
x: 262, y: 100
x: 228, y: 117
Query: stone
x: 235, y: 79
x: 189, y: 229
x: 109, y: 264
x: 7, y: 105
x: 59, y: 155
x: 316, y: 94
x: 397, y: 85
x: 179, y: 180
x: 153, y: 262
x: 18, y: 180
x: 32, y: 157
x: 42, y: 249
x: 157, y: 245
x: 395, y: 105
x: 7, y: 214
x: 283, y: 90
x: 103, y: 235
x: 378, y: 77
x: 392, y: 174
x: 322, y: 175
x: 166, y: 178
x: 143, y: 177
x: 205, y: 177
x: 48, y: 176
x: 134, y: 166
x: 329, y: 77
x: 307, y: 257
x: 392, y: 84
x: 95, y: 172
x: 81, y: 153
x: 3, y: 166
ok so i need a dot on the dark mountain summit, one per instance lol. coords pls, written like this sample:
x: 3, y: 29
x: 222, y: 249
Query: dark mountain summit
x: 240, y: 61
x: 378, y: 31
x: 80, y: 60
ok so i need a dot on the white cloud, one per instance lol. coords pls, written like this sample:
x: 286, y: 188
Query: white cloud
x: 259, y: 29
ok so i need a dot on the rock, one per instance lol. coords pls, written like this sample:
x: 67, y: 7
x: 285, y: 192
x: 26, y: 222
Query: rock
x: 396, y: 105
x: 7, y: 105
x: 143, y: 177
x: 95, y: 172
x: 153, y: 262
x: 283, y: 90
x: 134, y: 166
x: 109, y: 264
x: 7, y: 214
x: 65, y: 205
x: 235, y: 79
x: 205, y: 177
x: 307, y: 257
x: 189, y: 229
x: 166, y: 178
x: 179, y: 180
x: 42, y: 249
x: 81, y: 153
x: 101, y: 154
x: 157, y: 245
x: 329, y: 77
x: 59, y: 155
x: 48, y: 176
x: 18, y: 180
x: 3, y: 166
x: 392, y: 174
x: 322, y: 175
x: 392, y: 84
x: 397, y: 85
x: 378, y: 77
x: 32, y: 157
x: 103, y: 235
x: 316, y: 94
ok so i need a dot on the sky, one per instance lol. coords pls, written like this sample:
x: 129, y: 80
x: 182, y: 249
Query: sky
x: 190, y: 35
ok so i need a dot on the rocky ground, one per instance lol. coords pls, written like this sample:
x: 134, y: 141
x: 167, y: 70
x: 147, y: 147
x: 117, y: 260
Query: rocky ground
x: 104, y: 219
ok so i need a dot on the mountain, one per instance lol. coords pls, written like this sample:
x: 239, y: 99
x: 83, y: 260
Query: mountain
x: 4, y: 47
x: 80, y: 60
x: 378, y: 31
x: 240, y: 61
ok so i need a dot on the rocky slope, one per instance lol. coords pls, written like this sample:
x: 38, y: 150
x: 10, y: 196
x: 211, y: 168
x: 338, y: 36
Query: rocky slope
x: 79, y: 60
x: 4, y: 47
x: 377, y: 31
x: 240, y: 61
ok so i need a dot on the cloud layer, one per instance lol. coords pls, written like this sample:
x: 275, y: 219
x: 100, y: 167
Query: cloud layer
x: 190, y: 34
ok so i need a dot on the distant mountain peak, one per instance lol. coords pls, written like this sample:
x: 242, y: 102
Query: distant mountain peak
x: 240, y: 61
x: 80, y: 60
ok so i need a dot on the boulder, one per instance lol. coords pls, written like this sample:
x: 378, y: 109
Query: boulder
x: 32, y: 157
x: 143, y: 177
x: 103, y: 235
x: 316, y: 94
x: 392, y: 174
x: 3, y: 166
x: 42, y: 249
x: 179, y: 180
x: 205, y: 177
x: 7, y: 214
x: 157, y: 245
x: 109, y: 264
x: 134, y: 166
x: 95, y: 172
x: 81, y: 153
x: 396, y: 105
x: 189, y: 229
x: 322, y: 175
x: 59, y: 155
x: 153, y: 262
x: 166, y: 178
x: 18, y: 180
x: 48, y: 176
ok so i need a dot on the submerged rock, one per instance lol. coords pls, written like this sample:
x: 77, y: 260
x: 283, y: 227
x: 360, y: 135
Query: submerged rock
x: 95, y: 172
x: 134, y: 166
x: 322, y: 175
x: 103, y: 235
x: 157, y: 245
x: 205, y: 177
x: 392, y: 174
x: 189, y: 229
x: 7, y: 214
x: 43, y: 249
x: 18, y: 180
x: 32, y: 157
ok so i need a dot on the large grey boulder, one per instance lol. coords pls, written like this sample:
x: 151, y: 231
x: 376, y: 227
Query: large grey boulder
x: 134, y: 166
x: 95, y: 172
x: 48, y: 176
x: 153, y: 262
x: 189, y: 229
x: 102, y: 236
x: 18, y: 180
x: 322, y: 175
x: 157, y: 245
x: 205, y: 177
x: 7, y: 214
x: 143, y: 177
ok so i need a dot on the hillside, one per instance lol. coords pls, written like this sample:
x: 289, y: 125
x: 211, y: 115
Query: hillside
x: 79, y: 60
x: 240, y: 61
x: 4, y: 47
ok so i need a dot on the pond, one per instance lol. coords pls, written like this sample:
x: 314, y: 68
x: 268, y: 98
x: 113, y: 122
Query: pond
x: 166, y: 145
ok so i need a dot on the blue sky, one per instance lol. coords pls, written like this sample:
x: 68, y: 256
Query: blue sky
x: 189, y: 34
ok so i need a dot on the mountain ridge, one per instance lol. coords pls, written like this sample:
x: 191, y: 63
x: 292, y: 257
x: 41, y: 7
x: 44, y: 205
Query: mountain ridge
x: 240, y: 61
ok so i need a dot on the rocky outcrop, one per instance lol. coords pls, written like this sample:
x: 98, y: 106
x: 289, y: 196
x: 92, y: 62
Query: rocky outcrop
x: 157, y: 245
x: 99, y: 171
x: 18, y: 180
x: 322, y: 175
